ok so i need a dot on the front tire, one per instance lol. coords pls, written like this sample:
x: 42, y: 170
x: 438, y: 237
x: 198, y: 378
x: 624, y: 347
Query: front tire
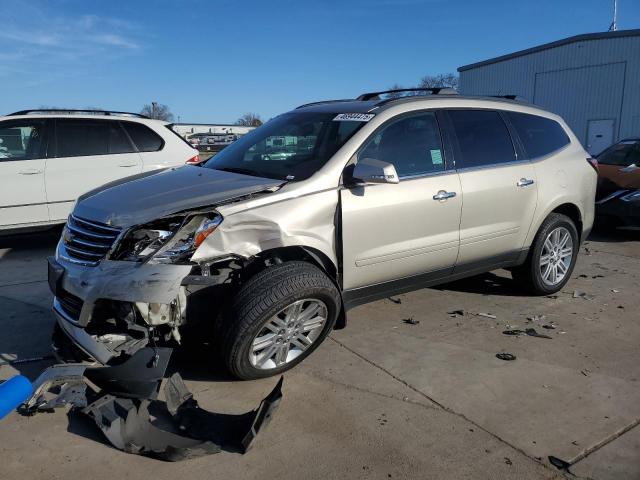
x: 278, y: 318
x: 552, y: 257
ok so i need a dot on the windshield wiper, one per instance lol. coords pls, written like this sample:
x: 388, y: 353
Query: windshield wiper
x: 246, y: 171
x: 242, y: 171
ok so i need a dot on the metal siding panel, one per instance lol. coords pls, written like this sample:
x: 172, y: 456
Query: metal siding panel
x: 518, y: 76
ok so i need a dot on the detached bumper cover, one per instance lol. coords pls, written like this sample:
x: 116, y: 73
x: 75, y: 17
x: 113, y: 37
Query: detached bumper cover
x: 121, y: 408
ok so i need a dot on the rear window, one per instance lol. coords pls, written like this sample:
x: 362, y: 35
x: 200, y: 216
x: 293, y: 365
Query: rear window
x: 77, y: 138
x: 483, y: 138
x: 621, y: 154
x: 540, y: 136
x: 145, y: 139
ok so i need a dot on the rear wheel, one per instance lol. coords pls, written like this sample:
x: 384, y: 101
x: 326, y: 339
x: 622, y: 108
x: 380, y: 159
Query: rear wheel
x: 552, y: 257
x: 278, y: 318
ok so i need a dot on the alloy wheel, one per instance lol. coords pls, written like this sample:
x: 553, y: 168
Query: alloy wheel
x: 287, y: 334
x: 556, y: 256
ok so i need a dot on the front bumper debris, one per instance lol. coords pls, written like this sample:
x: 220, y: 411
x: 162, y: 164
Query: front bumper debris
x: 118, y: 399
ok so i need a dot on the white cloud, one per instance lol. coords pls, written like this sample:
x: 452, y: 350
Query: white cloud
x: 33, y: 36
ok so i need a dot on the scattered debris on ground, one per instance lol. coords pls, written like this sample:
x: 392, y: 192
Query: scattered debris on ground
x: 559, y: 463
x: 613, y: 290
x: 486, y: 315
x: 125, y: 392
x: 456, y: 313
x: 549, y: 326
x: 505, y: 356
x: 537, y: 318
x: 531, y: 332
x: 586, y: 372
x: 508, y: 461
x: 583, y: 295
x: 397, y: 301
x: 411, y: 321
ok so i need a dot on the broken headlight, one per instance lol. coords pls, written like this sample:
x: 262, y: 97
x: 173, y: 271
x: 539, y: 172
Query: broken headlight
x: 171, y: 240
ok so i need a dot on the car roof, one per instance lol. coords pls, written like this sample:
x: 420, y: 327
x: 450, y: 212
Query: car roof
x: 378, y: 105
x: 88, y: 116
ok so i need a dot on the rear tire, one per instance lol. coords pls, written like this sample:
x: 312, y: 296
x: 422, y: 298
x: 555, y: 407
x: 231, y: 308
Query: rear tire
x: 552, y: 257
x: 294, y: 304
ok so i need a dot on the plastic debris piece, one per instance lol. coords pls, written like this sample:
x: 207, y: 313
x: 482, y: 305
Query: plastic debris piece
x: 549, y: 326
x: 486, y: 315
x: 411, y: 321
x: 583, y: 295
x: 559, y: 463
x: 397, y: 301
x: 456, y: 313
x: 613, y: 290
x: 506, y: 356
x: 531, y: 332
x: 127, y: 424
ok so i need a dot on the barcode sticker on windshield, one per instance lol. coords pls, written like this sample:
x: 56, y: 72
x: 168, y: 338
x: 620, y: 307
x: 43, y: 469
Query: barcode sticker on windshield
x: 354, y: 117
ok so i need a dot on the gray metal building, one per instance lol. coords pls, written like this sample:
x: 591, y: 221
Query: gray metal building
x: 591, y: 80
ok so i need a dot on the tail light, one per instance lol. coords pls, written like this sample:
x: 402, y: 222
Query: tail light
x: 593, y: 162
x: 193, y: 160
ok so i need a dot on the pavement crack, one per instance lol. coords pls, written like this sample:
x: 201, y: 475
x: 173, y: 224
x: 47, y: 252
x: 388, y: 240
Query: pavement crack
x: 371, y: 392
x: 604, y: 442
x: 21, y: 283
x: 442, y: 406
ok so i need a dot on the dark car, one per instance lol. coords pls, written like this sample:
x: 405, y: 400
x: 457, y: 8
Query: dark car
x: 618, y: 197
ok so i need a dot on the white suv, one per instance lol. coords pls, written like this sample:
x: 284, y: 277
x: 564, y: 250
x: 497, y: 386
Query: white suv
x: 48, y: 158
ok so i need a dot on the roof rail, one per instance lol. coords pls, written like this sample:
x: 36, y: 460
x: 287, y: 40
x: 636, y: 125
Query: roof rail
x: 433, y: 90
x: 324, y: 101
x: 71, y: 111
x: 515, y: 98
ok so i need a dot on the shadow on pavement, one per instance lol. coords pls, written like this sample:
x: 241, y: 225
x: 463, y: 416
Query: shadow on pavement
x: 32, y: 240
x: 485, y: 284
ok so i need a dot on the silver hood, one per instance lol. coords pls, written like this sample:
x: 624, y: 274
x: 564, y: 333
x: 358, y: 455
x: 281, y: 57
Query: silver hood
x: 151, y: 195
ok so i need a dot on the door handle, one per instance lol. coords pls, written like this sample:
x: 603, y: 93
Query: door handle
x: 125, y: 165
x: 524, y: 182
x: 443, y: 195
x: 30, y: 171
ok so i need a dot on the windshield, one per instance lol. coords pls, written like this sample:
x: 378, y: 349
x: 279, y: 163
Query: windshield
x: 622, y: 154
x: 292, y: 146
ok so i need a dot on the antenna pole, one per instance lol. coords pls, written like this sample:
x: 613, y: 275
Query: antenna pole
x: 614, y: 25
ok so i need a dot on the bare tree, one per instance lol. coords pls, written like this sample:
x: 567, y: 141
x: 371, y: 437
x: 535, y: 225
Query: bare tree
x: 158, y: 111
x: 249, y: 120
x: 395, y: 86
x: 449, y: 80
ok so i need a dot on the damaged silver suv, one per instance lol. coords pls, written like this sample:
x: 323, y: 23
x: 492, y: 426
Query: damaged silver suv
x: 261, y: 251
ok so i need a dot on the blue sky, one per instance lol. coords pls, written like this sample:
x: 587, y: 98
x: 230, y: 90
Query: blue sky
x: 212, y: 61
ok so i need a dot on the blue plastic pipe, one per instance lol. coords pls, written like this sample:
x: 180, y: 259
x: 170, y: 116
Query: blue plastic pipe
x: 13, y: 392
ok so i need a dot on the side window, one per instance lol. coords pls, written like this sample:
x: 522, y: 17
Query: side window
x: 483, y: 138
x: 540, y: 136
x: 80, y: 137
x: 145, y: 139
x: 412, y: 144
x: 22, y: 140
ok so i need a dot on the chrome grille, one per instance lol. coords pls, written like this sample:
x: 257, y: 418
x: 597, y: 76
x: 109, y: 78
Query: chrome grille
x: 88, y: 242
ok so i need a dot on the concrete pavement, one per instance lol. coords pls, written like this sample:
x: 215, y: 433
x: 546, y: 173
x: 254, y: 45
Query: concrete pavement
x: 383, y: 398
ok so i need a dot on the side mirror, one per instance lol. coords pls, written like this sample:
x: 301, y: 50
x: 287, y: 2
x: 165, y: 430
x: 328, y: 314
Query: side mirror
x: 370, y: 170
